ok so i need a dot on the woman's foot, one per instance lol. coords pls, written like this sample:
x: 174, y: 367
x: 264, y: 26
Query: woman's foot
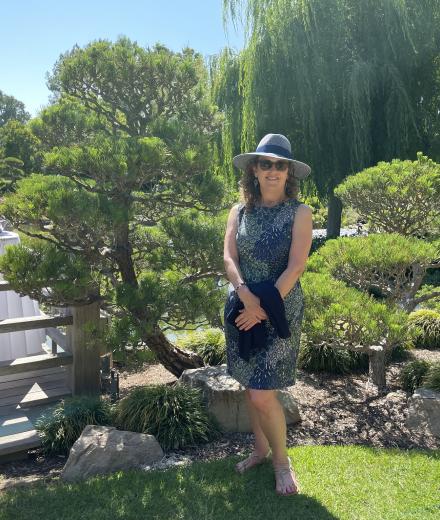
x: 286, y: 483
x: 253, y: 460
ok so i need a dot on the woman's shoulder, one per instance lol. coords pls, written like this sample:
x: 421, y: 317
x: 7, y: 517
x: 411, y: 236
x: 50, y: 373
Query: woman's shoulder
x: 236, y: 210
x: 237, y: 207
x: 305, y: 208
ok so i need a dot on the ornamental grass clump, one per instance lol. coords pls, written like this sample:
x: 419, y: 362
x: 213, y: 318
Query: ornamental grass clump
x: 323, y: 358
x: 426, y: 326
x: 412, y: 375
x: 62, y: 425
x: 175, y: 415
x: 208, y: 343
x: 432, y: 378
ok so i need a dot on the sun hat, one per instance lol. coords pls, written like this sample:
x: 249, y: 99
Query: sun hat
x: 274, y: 145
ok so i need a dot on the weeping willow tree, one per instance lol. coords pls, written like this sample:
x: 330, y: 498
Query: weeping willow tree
x: 224, y: 70
x: 349, y: 82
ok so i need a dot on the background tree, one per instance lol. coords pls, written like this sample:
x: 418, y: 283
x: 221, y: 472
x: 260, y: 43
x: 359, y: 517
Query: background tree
x: 350, y: 83
x: 128, y: 196
x: 398, y: 197
x: 17, y: 140
x: 11, y: 108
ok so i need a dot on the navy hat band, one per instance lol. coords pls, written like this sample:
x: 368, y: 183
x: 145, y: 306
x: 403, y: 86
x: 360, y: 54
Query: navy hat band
x: 273, y: 148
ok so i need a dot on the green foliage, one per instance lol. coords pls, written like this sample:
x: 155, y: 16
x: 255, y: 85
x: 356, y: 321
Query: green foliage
x: 11, y: 169
x: 434, y: 303
x: 396, y: 197
x: 426, y: 323
x: 412, y: 375
x: 225, y: 75
x: 208, y: 343
x: 175, y: 415
x: 347, y: 79
x: 341, y: 316
x: 323, y: 358
x: 128, y: 177
x: 12, y: 109
x: 400, y: 352
x: 319, y: 211
x: 133, y: 358
x: 380, y: 264
x: 432, y: 379
x: 66, y: 123
x: 55, y: 206
x: 17, y: 140
x: 63, y: 424
x: 37, y: 268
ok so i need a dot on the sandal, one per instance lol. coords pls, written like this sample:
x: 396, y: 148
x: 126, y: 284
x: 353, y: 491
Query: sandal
x: 253, y: 460
x: 282, y: 473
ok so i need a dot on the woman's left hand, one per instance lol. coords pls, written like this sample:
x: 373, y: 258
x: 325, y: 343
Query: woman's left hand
x: 247, y: 320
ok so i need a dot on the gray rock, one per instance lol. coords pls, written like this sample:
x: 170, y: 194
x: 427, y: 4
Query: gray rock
x: 225, y: 397
x: 424, y: 411
x: 104, y: 449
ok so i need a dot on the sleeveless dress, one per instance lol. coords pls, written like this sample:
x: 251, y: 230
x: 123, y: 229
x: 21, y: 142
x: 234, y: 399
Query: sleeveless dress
x: 263, y: 238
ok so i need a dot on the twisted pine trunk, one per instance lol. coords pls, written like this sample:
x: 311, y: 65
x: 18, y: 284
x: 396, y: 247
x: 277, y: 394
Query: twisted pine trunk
x: 174, y: 359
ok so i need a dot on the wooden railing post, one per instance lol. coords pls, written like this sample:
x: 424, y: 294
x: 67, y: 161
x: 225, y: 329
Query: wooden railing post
x: 85, y: 347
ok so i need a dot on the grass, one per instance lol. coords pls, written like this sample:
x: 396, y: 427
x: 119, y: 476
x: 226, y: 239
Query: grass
x: 337, y: 483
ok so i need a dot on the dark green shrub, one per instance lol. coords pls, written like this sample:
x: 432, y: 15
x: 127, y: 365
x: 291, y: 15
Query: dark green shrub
x: 63, y: 424
x: 426, y: 326
x: 323, y: 358
x: 400, y: 352
x: 208, y: 343
x: 133, y: 357
x: 432, y: 378
x: 175, y: 415
x: 412, y: 375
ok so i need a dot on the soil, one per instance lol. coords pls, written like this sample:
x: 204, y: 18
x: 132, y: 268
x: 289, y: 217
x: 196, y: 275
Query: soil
x: 334, y: 409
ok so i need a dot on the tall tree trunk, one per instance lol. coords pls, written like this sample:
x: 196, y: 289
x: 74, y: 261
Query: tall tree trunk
x: 334, y: 216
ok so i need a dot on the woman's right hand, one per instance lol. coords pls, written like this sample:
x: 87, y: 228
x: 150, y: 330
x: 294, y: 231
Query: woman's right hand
x: 251, y: 303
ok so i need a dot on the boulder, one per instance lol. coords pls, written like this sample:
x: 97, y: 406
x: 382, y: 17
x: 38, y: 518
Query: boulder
x: 104, y: 449
x: 424, y: 411
x: 225, y: 397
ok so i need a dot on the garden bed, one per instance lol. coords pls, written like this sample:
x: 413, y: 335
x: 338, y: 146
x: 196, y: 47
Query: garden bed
x: 337, y: 410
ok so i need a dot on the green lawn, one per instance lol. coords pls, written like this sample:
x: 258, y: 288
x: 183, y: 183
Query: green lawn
x: 338, y: 482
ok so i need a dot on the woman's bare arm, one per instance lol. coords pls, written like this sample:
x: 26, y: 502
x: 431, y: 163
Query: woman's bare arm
x: 302, y: 234
x: 251, y: 302
x: 230, y: 252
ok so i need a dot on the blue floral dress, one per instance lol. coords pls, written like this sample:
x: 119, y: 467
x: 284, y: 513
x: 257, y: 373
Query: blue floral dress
x: 263, y: 238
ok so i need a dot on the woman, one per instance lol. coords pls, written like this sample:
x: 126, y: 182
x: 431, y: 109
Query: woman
x: 267, y: 238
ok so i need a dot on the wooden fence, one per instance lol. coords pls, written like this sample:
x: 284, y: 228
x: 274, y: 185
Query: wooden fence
x: 81, y: 348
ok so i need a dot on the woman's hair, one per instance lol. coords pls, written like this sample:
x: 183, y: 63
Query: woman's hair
x: 250, y: 194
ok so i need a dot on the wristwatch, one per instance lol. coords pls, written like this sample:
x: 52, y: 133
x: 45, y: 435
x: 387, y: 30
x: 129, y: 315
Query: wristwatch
x: 239, y: 285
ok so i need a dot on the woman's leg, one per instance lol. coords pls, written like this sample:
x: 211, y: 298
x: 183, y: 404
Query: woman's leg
x: 261, y: 442
x: 262, y: 447
x: 271, y: 420
x: 273, y: 423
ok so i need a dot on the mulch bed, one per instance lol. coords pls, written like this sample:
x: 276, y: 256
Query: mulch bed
x: 334, y: 409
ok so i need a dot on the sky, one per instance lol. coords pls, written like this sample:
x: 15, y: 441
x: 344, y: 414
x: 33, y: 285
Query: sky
x: 34, y: 34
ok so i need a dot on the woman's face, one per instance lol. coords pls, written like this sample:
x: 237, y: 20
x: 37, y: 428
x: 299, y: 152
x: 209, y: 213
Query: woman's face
x: 271, y: 180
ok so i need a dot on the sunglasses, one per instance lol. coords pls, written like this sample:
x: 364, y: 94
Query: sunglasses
x: 266, y: 165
